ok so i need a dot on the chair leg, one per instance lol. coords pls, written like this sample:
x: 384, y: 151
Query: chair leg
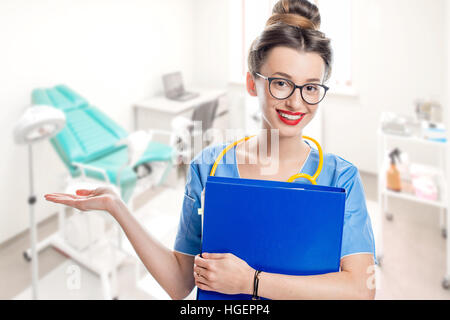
x: 137, y: 270
x: 106, y: 287
x: 62, y: 221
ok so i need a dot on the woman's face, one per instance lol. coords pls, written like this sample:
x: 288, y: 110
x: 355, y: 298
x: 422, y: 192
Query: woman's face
x: 292, y: 115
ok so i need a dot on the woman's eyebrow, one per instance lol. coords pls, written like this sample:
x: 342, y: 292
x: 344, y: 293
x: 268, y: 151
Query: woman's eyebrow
x: 313, y: 80
x: 285, y: 75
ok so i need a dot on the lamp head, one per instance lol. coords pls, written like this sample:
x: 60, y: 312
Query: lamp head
x: 38, y: 123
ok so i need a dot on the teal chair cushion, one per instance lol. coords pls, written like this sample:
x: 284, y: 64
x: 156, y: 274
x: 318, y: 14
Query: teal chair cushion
x: 60, y: 97
x: 113, y: 162
x: 90, y: 138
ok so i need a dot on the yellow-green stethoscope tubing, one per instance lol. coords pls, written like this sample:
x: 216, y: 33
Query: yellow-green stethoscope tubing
x: 291, y: 179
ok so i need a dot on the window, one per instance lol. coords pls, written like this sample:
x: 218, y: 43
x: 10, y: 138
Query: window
x: 337, y: 25
x: 248, y: 18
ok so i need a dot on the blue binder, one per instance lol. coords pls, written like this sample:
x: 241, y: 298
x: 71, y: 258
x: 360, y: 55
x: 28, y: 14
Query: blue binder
x: 276, y: 227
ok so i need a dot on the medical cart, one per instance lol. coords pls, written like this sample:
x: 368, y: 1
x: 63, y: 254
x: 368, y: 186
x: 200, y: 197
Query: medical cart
x: 386, y: 142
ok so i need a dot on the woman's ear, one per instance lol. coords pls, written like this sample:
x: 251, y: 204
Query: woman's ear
x: 251, y: 85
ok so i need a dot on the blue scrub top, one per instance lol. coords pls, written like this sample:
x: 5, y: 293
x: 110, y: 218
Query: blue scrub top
x: 357, y: 235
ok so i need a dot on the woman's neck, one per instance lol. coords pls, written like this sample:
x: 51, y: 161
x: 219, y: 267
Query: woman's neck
x: 281, y: 149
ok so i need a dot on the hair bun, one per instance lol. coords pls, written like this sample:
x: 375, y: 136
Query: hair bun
x: 297, y: 13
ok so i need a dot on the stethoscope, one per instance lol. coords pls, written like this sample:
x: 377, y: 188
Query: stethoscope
x: 312, y: 179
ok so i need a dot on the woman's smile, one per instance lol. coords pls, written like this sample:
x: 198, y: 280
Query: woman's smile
x: 290, y: 118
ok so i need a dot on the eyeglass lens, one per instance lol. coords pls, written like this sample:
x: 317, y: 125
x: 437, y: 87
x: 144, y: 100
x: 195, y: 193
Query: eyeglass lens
x: 283, y: 89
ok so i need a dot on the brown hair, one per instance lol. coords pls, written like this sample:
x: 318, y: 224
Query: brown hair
x: 294, y: 24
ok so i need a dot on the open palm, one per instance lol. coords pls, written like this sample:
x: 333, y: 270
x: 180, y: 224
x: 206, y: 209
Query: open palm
x: 85, y: 200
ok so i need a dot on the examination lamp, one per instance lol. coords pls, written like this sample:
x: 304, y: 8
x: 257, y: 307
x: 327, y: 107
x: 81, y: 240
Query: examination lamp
x: 36, y: 124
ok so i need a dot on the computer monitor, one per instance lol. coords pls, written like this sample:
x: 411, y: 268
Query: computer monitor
x: 174, y: 88
x: 173, y: 85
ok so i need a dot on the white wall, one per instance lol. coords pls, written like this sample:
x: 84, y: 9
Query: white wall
x: 399, y: 53
x: 447, y: 80
x: 114, y: 52
x: 111, y: 52
x: 215, y: 23
x: 447, y: 90
x: 398, y: 56
x: 211, y: 43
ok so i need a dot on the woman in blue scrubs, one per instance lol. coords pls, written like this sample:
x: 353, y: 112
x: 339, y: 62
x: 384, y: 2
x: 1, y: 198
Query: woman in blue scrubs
x: 288, y: 66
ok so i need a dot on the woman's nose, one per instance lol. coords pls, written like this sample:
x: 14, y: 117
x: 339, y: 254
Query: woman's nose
x: 296, y: 101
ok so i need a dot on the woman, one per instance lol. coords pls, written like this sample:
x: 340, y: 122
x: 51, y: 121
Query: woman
x: 288, y: 65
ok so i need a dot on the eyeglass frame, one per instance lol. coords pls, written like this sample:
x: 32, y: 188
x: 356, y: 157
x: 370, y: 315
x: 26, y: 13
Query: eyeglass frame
x: 271, y: 79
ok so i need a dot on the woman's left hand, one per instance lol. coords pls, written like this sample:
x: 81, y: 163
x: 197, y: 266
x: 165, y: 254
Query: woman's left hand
x: 224, y: 273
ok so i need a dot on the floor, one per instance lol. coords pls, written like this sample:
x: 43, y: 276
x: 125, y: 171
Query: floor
x: 413, y: 263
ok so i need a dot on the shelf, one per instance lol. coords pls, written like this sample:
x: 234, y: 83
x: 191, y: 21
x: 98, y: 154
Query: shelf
x: 442, y: 185
x: 412, y: 139
x: 412, y: 197
x: 439, y: 175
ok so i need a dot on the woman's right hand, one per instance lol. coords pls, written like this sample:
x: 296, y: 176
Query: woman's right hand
x: 84, y: 200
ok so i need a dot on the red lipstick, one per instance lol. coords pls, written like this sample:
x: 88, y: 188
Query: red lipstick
x: 290, y: 122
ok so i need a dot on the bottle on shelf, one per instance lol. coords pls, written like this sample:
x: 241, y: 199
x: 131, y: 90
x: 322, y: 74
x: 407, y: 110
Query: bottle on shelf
x: 394, y: 182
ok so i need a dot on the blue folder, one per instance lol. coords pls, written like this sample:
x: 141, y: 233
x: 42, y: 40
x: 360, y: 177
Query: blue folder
x: 276, y: 227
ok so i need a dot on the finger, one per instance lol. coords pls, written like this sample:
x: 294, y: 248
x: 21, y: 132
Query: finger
x: 199, y: 261
x: 202, y: 284
x: 61, y: 195
x: 214, y: 256
x: 67, y: 202
x: 66, y: 199
x: 201, y: 272
x: 200, y: 277
x: 58, y: 197
x: 64, y: 196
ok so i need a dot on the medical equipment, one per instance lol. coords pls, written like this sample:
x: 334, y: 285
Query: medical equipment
x: 425, y: 182
x: 433, y: 192
x: 98, y: 152
x: 435, y: 133
x: 392, y: 123
x: 193, y: 135
x: 82, y: 230
x: 37, y: 123
x: 312, y: 179
x: 94, y: 146
x: 428, y: 110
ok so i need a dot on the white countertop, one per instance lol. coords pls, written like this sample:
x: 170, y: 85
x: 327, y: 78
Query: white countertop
x: 162, y: 104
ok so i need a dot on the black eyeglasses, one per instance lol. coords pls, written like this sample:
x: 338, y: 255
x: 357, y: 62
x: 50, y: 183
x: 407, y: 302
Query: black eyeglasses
x: 282, y: 89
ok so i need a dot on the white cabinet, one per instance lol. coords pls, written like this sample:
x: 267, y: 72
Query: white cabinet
x: 435, y: 151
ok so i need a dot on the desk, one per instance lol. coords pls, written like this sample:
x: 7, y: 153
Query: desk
x: 158, y: 112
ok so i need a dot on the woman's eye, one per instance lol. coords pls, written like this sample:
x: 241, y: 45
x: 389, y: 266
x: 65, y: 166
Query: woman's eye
x: 312, y: 88
x: 281, y: 84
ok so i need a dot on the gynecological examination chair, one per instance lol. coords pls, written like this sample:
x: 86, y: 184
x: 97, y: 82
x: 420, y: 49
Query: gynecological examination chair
x: 96, y: 151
